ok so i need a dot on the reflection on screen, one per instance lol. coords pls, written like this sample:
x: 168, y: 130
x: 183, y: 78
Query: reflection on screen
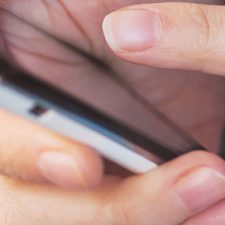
x: 69, y: 66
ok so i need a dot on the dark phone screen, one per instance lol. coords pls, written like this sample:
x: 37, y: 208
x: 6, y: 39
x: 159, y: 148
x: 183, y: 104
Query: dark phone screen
x: 96, y: 77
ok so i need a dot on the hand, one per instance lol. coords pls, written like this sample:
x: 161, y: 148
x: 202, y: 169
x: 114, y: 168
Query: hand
x: 170, y: 195
x: 173, y: 35
x: 80, y: 24
x: 32, y: 153
x: 29, y: 49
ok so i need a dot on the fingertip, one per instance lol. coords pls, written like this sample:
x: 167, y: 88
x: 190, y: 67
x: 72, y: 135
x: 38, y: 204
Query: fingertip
x: 92, y: 166
x: 40, y: 155
x: 169, y: 35
x: 108, y: 34
x: 132, y: 30
x: 78, y: 169
x: 187, y: 185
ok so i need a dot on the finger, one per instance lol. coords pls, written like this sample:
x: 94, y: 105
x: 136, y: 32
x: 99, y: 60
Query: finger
x: 164, y: 196
x: 172, y: 193
x: 33, y: 153
x: 169, y: 35
x: 44, y: 205
x: 214, y: 215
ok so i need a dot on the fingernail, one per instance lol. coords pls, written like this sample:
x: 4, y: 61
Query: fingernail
x: 201, y: 188
x: 132, y: 29
x: 61, y: 169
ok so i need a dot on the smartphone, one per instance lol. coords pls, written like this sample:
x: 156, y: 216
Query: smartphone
x: 116, y: 140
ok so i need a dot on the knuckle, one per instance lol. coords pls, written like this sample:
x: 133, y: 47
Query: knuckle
x: 200, y: 20
x: 209, y: 29
x: 123, y: 214
x: 119, y: 205
x: 209, y: 21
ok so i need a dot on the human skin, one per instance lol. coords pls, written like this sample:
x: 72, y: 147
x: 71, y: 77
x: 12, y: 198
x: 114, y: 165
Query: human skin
x: 175, y: 93
x: 36, y: 157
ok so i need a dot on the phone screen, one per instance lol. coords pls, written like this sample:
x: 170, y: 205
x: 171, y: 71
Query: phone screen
x: 83, y: 70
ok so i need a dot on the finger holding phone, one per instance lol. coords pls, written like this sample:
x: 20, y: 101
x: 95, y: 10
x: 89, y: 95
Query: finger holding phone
x: 172, y: 194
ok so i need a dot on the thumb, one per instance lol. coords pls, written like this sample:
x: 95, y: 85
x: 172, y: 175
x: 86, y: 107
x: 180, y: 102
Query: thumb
x: 36, y: 154
x: 172, y: 193
x: 169, y: 35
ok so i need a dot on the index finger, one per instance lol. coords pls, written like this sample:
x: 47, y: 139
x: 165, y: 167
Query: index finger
x: 169, y: 35
x: 33, y: 153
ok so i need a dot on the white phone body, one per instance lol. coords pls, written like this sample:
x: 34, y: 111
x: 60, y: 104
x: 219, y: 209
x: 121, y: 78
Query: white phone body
x: 41, y: 103
x: 111, y: 147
